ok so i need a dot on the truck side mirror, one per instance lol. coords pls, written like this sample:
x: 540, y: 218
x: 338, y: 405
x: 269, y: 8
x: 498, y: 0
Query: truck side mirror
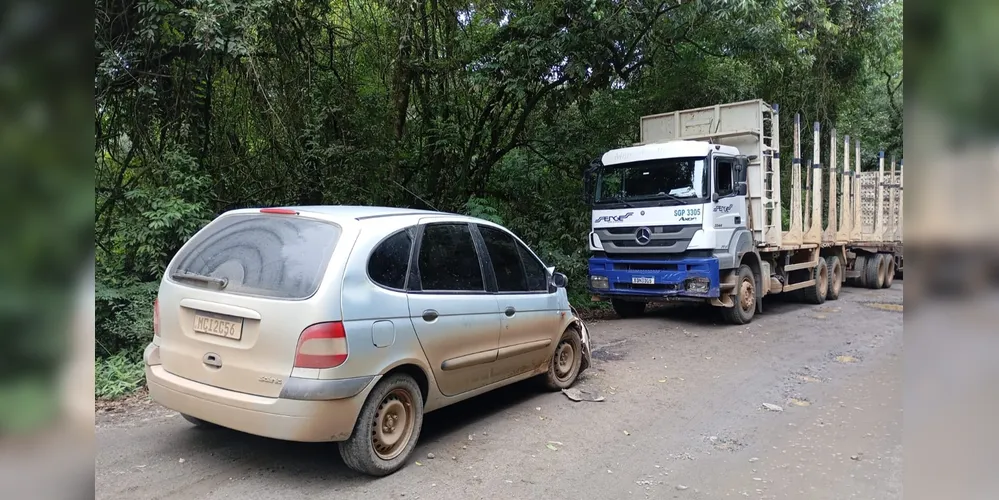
x: 741, y: 189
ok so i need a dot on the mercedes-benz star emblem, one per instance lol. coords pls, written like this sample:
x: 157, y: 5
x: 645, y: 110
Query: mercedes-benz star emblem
x: 643, y: 236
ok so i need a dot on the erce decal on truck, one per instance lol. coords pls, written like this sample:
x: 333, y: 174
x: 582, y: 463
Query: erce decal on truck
x: 613, y: 218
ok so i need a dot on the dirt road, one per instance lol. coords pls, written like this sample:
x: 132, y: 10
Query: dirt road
x: 683, y: 418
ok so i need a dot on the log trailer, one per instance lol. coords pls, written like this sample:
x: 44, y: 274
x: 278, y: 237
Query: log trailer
x: 693, y: 212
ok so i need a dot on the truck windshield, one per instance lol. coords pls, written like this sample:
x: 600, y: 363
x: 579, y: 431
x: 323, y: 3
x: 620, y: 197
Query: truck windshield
x: 674, y: 179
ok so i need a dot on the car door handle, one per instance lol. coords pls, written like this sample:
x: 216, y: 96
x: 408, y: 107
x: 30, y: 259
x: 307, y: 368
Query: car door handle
x: 510, y: 311
x: 429, y: 315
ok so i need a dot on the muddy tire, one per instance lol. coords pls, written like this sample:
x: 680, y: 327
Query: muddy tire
x: 889, y: 270
x: 744, y: 299
x: 860, y: 265
x: 628, y: 309
x: 197, y: 422
x: 563, y: 369
x: 874, y: 272
x: 835, y: 277
x: 817, y: 293
x: 387, y: 428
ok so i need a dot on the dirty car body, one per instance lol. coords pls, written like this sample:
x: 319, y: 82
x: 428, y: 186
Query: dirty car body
x: 347, y: 324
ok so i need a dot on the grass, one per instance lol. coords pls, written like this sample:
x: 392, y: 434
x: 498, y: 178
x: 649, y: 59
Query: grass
x: 118, y: 376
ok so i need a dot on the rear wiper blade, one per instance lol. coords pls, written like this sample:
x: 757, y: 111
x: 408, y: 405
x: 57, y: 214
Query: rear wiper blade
x: 221, y: 282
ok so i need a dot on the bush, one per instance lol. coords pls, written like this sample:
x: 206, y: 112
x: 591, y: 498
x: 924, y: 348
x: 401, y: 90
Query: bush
x: 118, y: 376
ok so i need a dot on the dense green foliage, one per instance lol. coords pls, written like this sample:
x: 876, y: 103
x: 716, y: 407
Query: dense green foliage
x: 486, y: 108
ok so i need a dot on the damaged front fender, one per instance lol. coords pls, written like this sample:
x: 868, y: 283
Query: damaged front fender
x: 584, y: 336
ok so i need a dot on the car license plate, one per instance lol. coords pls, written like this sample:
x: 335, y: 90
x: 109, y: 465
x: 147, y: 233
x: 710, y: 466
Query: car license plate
x: 641, y: 280
x: 219, y: 325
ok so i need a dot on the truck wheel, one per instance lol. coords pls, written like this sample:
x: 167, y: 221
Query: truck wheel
x: 628, y: 309
x: 860, y: 265
x: 744, y: 309
x: 874, y: 272
x: 817, y: 293
x: 889, y: 270
x: 835, y: 277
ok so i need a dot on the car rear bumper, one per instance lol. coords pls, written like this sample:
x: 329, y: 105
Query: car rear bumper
x: 277, y: 418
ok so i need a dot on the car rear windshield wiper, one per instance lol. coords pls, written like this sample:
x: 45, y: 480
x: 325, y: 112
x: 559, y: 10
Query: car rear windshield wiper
x: 221, y: 282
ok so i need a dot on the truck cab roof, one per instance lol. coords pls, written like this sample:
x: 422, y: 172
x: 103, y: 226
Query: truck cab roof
x: 663, y: 150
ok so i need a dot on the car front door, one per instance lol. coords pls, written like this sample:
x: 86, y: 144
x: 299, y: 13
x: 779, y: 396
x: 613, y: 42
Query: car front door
x: 527, y: 303
x: 456, y: 319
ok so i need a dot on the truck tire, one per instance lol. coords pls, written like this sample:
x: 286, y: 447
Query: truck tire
x: 860, y: 265
x: 874, y: 272
x: 835, y: 277
x: 817, y: 293
x: 889, y: 270
x: 744, y: 298
x: 628, y: 309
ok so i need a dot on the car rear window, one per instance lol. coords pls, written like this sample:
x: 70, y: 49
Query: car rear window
x: 273, y: 256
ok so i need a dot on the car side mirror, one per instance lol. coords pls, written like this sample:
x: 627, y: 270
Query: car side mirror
x: 559, y: 280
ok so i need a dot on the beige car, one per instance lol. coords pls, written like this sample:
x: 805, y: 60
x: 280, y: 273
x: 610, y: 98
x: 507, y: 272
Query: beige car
x: 348, y: 324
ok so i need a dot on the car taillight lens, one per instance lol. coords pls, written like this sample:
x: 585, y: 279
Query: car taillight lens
x: 156, y: 318
x: 323, y: 345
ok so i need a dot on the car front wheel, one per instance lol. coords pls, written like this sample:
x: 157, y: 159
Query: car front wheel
x: 564, y: 365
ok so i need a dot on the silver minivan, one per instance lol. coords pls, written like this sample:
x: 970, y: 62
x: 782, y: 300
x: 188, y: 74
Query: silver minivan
x: 347, y: 324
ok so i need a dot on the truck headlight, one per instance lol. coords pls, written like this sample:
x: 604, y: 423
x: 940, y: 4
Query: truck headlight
x: 599, y: 282
x: 698, y: 285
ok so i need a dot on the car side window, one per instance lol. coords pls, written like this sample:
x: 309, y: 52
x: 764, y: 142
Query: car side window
x: 537, y: 275
x: 389, y: 261
x: 448, y: 261
x: 506, y: 259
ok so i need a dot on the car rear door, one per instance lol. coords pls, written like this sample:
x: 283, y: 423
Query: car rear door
x: 455, y: 318
x: 528, y: 304
x: 237, y: 297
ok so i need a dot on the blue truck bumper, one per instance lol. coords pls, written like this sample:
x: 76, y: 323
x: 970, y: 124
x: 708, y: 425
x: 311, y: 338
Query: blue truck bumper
x: 691, y: 277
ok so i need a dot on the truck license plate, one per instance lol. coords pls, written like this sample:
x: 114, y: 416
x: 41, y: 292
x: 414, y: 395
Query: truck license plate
x: 639, y: 280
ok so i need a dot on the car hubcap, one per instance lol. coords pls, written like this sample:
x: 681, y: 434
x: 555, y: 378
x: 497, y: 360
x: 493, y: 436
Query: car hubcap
x: 393, y: 424
x: 747, y: 298
x: 563, y: 360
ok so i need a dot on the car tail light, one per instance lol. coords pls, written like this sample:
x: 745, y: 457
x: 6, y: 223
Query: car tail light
x: 156, y: 317
x: 323, y: 345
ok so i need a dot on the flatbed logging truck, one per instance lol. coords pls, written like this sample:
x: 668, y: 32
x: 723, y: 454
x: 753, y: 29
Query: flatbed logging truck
x: 693, y: 212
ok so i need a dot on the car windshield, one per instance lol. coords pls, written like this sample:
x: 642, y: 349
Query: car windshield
x: 675, y: 179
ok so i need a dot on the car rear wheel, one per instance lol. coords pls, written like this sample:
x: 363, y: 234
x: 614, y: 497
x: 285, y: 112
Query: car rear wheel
x: 387, y: 428
x: 564, y: 366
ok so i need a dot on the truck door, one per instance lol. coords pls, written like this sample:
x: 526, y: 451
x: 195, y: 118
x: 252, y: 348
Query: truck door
x: 729, y: 212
